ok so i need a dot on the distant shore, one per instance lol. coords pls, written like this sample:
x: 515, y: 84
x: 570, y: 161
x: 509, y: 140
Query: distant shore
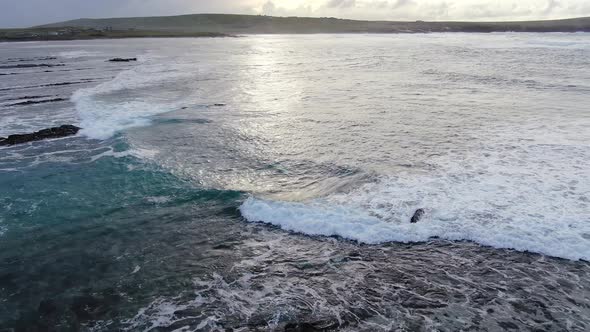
x: 48, y: 34
x: 227, y: 25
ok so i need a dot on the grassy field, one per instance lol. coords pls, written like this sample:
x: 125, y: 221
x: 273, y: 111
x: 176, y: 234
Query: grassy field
x: 245, y: 24
x: 218, y: 25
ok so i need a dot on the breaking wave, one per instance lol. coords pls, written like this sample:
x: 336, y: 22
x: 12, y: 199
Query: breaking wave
x: 130, y: 99
x: 539, y: 205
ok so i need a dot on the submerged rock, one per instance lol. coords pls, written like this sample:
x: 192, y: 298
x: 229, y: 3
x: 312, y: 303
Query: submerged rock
x: 33, y: 102
x: 87, y: 307
x: 122, y: 59
x: 417, y: 216
x: 41, y: 58
x: 31, y: 65
x: 29, y: 97
x: 47, y: 307
x: 56, y: 132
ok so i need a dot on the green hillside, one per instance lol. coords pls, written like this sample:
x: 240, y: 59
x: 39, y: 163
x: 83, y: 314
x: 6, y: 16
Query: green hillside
x: 255, y: 24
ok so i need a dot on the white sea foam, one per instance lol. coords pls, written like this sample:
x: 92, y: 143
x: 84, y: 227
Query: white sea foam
x: 120, y: 103
x: 160, y: 313
x: 532, y: 202
x: 77, y: 54
x: 158, y: 199
x: 3, y: 228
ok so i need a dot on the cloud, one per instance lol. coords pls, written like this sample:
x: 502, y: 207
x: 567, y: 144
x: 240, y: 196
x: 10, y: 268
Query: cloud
x: 551, y: 5
x: 341, y: 4
x: 402, y: 3
x: 272, y: 9
x: 269, y: 8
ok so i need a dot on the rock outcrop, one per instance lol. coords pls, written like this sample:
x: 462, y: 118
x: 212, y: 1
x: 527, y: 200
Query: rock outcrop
x: 56, y: 132
x: 33, y: 102
x: 417, y: 216
x: 122, y: 59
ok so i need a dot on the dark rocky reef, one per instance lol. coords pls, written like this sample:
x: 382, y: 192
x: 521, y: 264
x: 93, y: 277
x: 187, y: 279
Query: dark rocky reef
x: 122, y: 59
x: 417, y: 216
x: 31, y: 65
x: 82, y: 81
x: 34, y: 102
x: 55, y: 132
x: 39, y: 58
x: 28, y: 97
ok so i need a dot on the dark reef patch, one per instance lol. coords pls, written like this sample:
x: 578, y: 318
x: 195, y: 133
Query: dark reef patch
x: 123, y: 59
x: 33, y: 102
x: 86, y: 80
x: 41, y: 58
x: 55, y: 132
x: 27, y: 97
x: 32, y: 65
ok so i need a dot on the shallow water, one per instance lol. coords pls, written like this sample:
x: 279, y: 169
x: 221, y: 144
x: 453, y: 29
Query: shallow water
x: 262, y: 182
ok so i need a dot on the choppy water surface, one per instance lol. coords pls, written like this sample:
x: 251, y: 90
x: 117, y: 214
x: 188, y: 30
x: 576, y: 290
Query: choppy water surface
x: 267, y: 183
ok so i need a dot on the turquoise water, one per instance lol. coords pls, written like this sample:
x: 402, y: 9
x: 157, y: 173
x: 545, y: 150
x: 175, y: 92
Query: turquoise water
x: 267, y: 183
x: 79, y: 229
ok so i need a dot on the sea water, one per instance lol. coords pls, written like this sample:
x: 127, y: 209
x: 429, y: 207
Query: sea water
x: 268, y: 182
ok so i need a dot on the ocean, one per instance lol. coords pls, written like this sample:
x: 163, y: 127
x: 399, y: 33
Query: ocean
x: 267, y: 183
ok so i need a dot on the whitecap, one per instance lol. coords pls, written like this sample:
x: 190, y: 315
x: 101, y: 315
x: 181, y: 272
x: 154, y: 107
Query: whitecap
x: 3, y: 228
x: 102, y: 114
x: 77, y: 54
x: 533, y: 203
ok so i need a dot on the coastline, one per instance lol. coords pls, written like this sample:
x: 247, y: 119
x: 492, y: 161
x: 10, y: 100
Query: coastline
x: 228, y: 25
x: 223, y: 35
x: 28, y: 35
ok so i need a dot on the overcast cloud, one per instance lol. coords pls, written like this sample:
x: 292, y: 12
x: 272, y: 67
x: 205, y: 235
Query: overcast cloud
x: 22, y: 13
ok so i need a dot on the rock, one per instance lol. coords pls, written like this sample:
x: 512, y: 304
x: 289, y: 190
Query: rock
x: 29, y: 97
x: 41, y: 58
x: 122, y: 59
x: 56, y: 132
x: 87, y: 307
x: 417, y: 216
x: 47, y: 307
x: 92, y: 307
x: 33, y: 102
x: 32, y: 65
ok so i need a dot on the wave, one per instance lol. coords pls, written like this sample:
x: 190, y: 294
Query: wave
x: 77, y: 54
x: 130, y: 99
x: 542, y: 208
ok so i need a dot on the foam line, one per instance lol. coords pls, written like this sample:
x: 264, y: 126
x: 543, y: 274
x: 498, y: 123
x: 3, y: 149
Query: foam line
x: 110, y: 107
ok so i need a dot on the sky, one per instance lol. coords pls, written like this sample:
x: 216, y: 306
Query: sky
x: 24, y: 13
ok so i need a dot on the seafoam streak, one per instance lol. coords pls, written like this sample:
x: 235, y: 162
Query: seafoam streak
x: 538, y: 204
x: 119, y: 104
